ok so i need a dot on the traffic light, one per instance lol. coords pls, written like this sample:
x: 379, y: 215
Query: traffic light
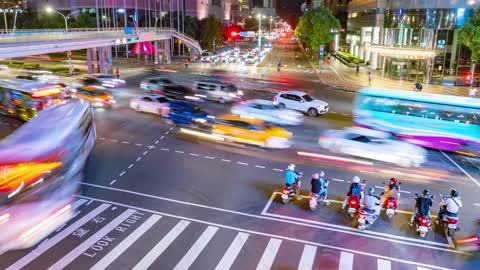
x: 468, y: 77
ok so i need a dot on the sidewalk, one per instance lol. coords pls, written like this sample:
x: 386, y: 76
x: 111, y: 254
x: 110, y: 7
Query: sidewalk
x: 340, y: 76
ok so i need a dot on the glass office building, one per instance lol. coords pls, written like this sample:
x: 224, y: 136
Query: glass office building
x: 412, y: 40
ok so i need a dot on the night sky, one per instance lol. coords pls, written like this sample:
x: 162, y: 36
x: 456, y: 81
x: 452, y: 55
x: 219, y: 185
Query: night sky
x: 290, y: 10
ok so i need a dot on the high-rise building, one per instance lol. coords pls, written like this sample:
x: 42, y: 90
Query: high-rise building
x: 13, y: 3
x: 412, y: 40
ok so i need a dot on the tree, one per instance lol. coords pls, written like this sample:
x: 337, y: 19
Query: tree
x: 84, y: 20
x: 314, y: 27
x: 469, y: 36
x: 210, y: 29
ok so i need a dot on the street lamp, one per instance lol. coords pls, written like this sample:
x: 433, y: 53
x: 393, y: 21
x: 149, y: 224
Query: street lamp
x: 50, y: 10
x: 134, y: 22
x: 260, y: 16
x: 15, y: 8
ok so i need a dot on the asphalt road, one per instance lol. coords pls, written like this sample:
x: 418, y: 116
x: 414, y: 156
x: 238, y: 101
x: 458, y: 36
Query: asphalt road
x: 154, y: 199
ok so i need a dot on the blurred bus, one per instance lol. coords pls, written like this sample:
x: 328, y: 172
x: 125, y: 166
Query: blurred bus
x: 42, y: 165
x: 23, y: 99
x: 449, y: 123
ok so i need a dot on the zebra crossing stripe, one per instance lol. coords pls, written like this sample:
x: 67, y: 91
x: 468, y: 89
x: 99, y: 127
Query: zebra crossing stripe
x: 72, y: 255
x: 160, y: 247
x: 308, y: 255
x: 196, y: 249
x: 346, y: 261
x: 126, y: 243
x: 383, y: 264
x: 57, y: 238
x: 269, y: 254
x: 232, y: 251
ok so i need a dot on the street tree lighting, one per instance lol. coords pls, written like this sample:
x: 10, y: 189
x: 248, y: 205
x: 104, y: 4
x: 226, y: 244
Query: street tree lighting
x: 51, y: 10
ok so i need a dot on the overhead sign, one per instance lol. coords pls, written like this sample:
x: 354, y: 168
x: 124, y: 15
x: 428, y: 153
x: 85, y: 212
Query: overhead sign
x: 243, y: 34
x: 128, y: 30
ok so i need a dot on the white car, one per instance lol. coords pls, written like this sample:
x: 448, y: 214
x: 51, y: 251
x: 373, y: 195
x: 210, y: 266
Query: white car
x: 373, y: 144
x: 250, y: 59
x: 268, y: 112
x: 156, y: 84
x: 302, y: 102
x: 157, y: 104
x: 109, y: 80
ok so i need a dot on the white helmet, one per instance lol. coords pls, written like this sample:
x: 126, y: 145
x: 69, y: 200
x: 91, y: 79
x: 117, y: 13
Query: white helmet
x: 291, y: 167
x: 322, y: 174
x: 356, y: 179
x: 315, y: 176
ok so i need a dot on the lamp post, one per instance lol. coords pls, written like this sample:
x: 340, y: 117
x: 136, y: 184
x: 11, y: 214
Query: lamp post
x: 259, y: 16
x: 50, y: 10
x: 271, y: 19
x: 5, y: 10
x: 134, y: 22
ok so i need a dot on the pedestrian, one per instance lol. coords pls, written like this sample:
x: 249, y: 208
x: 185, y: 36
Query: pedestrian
x: 370, y: 77
x: 357, y: 69
x: 117, y: 72
x: 418, y: 87
x: 186, y: 63
x: 472, y: 92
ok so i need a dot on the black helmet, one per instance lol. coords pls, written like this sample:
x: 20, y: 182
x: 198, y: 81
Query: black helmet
x: 453, y: 193
x: 426, y: 192
x: 393, y: 181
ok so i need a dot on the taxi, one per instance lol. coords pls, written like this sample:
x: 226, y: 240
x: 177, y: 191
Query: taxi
x: 95, y: 95
x: 251, y: 131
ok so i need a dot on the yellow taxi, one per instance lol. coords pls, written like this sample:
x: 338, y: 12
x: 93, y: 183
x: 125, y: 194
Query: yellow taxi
x: 95, y: 95
x: 251, y: 131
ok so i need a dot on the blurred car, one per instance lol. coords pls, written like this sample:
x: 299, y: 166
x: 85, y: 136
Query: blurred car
x: 206, y: 57
x: 250, y: 60
x: 154, y: 85
x: 217, y: 90
x: 4, y: 67
x: 231, y: 58
x: 157, y: 104
x: 109, y: 80
x: 300, y: 101
x: 267, y: 111
x: 373, y: 144
x: 95, y: 95
x: 251, y: 131
x: 176, y: 91
x: 89, y: 81
x: 185, y: 113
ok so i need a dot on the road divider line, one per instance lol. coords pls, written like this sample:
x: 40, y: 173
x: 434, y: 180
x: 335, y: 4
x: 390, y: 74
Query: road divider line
x: 103, y: 139
x: 308, y: 256
x: 138, y: 159
x: 232, y: 251
x: 99, y: 235
x: 338, y: 180
x: 125, y: 142
x: 269, y: 254
x: 258, y: 166
x: 32, y: 255
x: 130, y: 166
x: 226, y: 160
x: 209, y: 157
x: 196, y: 249
x: 160, y: 247
x: 286, y: 237
x: 195, y: 155
x: 165, y: 149
x: 461, y: 169
x: 161, y: 138
x: 113, y: 182
x: 138, y: 144
x: 242, y: 163
x: 477, y: 204
x: 122, y: 173
x: 179, y: 152
x: 126, y: 243
x: 278, y: 170
x: 114, y: 140
x: 156, y: 142
x: 337, y: 158
x: 144, y: 153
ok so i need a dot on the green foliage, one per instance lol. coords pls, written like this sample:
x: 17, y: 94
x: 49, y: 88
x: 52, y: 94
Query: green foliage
x: 350, y: 58
x: 191, y: 26
x: 469, y: 36
x: 84, y: 20
x: 209, y: 30
x: 251, y: 24
x: 314, y: 27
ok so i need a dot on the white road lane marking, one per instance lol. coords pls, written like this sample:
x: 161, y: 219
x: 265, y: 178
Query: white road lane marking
x: 103, y: 139
x: 269, y: 254
x: 261, y: 167
x: 383, y: 265
x: 139, y: 144
x: 209, y: 157
x: 422, y: 268
x: 114, y: 140
x: 138, y: 159
x: 196, y: 249
x: 477, y: 204
x: 346, y: 261
x: 122, y: 173
x: 144, y: 153
x: 165, y: 149
x: 126, y: 243
x: 242, y: 163
x: 57, y: 238
x: 308, y: 256
x: 113, y: 181
x: 161, y: 138
x: 232, y: 251
x: 72, y: 255
x: 338, y: 180
x: 226, y: 160
x: 461, y: 169
x: 278, y: 170
x: 126, y: 142
x: 156, y: 142
x: 158, y: 249
x: 195, y: 155
x: 130, y: 166
x: 180, y: 152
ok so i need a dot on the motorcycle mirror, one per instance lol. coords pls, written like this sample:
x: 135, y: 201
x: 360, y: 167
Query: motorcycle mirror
x: 416, y: 194
x: 399, y: 183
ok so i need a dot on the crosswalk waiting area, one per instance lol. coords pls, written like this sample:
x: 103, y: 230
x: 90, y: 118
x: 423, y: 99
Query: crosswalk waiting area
x: 108, y: 236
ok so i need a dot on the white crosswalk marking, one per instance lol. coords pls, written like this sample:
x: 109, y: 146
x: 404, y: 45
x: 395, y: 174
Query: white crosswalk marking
x: 308, y: 255
x: 346, y: 261
x: 158, y: 249
x: 422, y: 268
x: 72, y: 255
x: 269, y: 254
x: 383, y: 264
x: 57, y: 238
x: 232, y: 251
x: 196, y: 249
x: 126, y: 243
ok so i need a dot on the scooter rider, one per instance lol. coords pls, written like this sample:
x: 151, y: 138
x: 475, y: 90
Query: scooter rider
x: 392, y: 190
x: 422, y: 205
x: 319, y: 186
x: 354, y: 190
x: 291, y: 176
x: 449, y: 205
x: 371, y: 202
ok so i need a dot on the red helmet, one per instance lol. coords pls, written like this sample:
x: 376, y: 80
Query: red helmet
x: 393, y: 181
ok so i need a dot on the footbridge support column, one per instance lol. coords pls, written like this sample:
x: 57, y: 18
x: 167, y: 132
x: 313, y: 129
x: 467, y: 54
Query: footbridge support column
x: 99, y: 60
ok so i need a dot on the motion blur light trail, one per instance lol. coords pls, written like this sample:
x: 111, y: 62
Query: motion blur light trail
x: 335, y: 158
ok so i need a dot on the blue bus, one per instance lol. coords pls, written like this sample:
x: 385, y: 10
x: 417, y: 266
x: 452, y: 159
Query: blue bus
x: 443, y: 122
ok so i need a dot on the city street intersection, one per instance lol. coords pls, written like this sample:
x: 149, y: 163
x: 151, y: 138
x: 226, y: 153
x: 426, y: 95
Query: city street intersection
x: 152, y: 198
